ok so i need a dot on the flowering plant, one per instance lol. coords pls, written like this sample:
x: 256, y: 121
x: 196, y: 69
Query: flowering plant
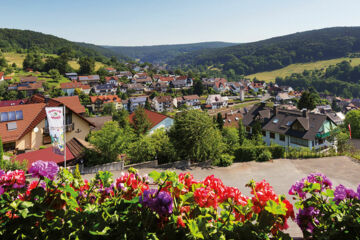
x: 326, y: 212
x: 60, y: 205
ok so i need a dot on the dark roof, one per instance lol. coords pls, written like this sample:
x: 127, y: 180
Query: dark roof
x: 282, y: 120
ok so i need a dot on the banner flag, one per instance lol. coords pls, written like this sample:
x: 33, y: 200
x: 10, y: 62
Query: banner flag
x: 55, y: 118
x: 349, y: 126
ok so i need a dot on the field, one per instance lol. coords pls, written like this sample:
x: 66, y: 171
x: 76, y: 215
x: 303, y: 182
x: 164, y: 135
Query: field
x: 18, y: 58
x: 299, y: 68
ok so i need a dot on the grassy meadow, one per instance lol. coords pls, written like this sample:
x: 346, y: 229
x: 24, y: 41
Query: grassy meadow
x: 299, y: 68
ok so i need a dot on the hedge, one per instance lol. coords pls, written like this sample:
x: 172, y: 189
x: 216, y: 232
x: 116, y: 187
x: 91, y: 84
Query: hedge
x: 244, y: 154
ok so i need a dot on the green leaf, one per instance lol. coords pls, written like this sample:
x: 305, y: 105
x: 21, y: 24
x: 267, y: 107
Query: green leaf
x: 155, y: 175
x: 194, y: 229
x: 274, y: 208
x: 102, y: 233
x: 25, y: 204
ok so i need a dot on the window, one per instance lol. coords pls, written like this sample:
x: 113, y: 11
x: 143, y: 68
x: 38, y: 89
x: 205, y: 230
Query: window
x: 299, y: 141
x: 12, y: 116
x: 263, y: 133
x: 275, y: 120
x: 282, y: 137
x: 11, y: 126
x: 19, y: 115
x: 272, y: 135
x: 4, y: 117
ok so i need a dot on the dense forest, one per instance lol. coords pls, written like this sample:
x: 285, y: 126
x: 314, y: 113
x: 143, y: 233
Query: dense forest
x: 274, y: 53
x: 164, y: 53
x: 341, y: 79
x: 13, y: 40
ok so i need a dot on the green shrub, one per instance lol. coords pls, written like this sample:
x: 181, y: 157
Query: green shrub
x: 264, y: 156
x: 224, y: 160
x: 245, y: 154
x: 12, y: 165
x: 277, y: 151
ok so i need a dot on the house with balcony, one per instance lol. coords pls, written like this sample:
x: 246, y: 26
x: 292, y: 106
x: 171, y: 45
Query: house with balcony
x: 25, y: 127
x: 69, y: 88
x: 113, y: 80
x: 90, y: 80
x: 136, y: 102
x: 98, y: 102
x: 105, y: 89
x: 216, y: 101
x: 291, y: 128
x: 191, y: 101
x: 162, y: 103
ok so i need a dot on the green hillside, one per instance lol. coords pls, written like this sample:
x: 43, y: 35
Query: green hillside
x: 164, y: 53
x: 14, y: 40
x: 299, y: 68
x: 275, y: 53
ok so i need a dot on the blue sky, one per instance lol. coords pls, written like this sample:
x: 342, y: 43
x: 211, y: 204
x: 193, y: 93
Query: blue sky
x: 150, y: 22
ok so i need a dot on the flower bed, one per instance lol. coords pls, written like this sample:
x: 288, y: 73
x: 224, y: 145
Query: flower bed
x: 60, y: 205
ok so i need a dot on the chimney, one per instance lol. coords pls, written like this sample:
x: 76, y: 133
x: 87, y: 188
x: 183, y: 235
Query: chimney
x: 305, y: 113
x: 276, y: 110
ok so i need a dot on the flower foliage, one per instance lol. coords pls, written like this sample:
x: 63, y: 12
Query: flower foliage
x: 60, y: 206
x: 325, y: 212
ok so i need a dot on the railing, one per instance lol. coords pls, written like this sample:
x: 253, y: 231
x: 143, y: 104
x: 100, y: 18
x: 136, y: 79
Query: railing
x: 69, y: 128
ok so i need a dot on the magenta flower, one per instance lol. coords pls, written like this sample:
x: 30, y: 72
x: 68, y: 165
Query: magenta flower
x: 44, y: 169
x: 306, y: 218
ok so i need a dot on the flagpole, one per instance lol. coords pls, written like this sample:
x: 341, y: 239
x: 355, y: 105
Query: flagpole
x: 64, y: 137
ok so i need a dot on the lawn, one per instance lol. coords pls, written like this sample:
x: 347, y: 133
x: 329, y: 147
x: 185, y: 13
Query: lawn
x: 18, y: 58
x: 299, y: 68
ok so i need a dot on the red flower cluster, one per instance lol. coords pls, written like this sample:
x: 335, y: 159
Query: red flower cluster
x: 263, y: 192
x: 14, y: 179
x: 206, y: 197
x: 132, y: 185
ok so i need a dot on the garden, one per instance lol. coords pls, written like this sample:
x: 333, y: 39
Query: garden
x: 56, y: 204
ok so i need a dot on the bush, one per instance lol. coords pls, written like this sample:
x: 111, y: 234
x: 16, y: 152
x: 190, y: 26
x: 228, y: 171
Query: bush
x: 264, y: 156
x: 277, y: 151
x: 245, y: 154
x: 224, y: 160
x: 12, y: 165
x: 250, y: 153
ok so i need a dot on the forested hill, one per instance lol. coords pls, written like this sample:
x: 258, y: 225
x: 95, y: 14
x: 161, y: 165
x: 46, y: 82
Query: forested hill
x: 164, y: 53
x: 276, y: 52
x: 19, y: 40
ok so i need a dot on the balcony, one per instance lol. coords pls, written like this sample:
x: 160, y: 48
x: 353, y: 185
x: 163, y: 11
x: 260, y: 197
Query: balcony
x: 69, y: 128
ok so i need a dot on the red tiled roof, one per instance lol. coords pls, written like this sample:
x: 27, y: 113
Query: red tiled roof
x: 85, y: 87
x: 181, y: 78
x: 7, y: 78
x: 107, y: 79
x: 32, y: 115
x: 154, y: 117
x: 161, y: 99
x: 12, y: 102
x: 166, y: 79
x: 110, y: 69
x: 71, y: 102
x: 105, y: 98
x: 72, y: 84
x: 191, y: 97
x: 46, y: 155
x: 31, y: 86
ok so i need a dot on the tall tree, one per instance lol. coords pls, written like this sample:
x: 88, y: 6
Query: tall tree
x: 198, y: 87
x: 220, y: 121
x: 353, y: 118
x: 308, y: 100
x: 111, y: 141
x: 87, y: 65
x: 242, y: 133
x: 141, y: 122
x: 122, y: 118
x: 196, y: 137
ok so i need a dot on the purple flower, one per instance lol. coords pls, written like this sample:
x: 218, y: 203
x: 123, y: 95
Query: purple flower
x: 319, y: 178
x: 1, y: 190
x: 161, y: 202
x: 297, y: 189
x: 44, y: 169
x: 306, y: 218
x: 341, y: 193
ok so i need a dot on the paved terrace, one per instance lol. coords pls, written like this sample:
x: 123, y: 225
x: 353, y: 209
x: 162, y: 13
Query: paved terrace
x: 280, y: 173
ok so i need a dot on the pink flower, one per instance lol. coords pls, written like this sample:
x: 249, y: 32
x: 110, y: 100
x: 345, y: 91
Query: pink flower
x: 44, y: 169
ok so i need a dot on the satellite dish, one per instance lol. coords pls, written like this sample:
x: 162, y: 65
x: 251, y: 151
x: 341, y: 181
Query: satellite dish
x: 36, y: 129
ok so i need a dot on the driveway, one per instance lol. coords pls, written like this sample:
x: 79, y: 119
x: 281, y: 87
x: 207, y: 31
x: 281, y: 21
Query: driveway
x: 280, y: 173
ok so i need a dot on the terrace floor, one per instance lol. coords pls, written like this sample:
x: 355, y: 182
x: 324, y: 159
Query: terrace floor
x: 280, y: 173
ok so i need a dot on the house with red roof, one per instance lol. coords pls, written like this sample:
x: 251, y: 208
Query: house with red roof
x: 113, y: 80
x: 75, y: 151
x: 98, y: 102
x: 25, y: 127
x: 69, y: 87
x: 157, y: 120
x: 162, y: 103
x: 110, y: 70
x: 191, y: 101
